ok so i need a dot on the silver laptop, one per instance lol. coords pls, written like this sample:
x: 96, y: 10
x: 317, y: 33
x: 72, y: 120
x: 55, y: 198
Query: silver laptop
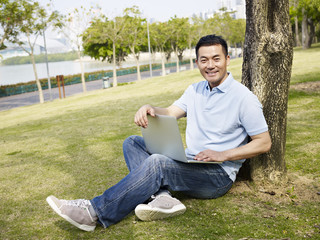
x: 162, y: 136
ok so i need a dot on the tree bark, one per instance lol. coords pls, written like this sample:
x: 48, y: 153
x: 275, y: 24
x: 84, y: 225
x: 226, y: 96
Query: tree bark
x: 266, y: 72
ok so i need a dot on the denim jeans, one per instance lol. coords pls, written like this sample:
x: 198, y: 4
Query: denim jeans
x: 150, y: 173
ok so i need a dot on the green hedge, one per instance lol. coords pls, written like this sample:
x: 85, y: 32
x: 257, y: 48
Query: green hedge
x: 8, y: 90
x: 41, y: 58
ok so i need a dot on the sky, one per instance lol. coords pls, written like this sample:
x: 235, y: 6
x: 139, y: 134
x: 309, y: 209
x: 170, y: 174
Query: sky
x: 160, y: 10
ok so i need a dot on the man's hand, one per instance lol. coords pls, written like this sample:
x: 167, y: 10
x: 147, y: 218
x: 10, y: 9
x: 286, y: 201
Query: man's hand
x: 210, y: 156
x: 141, y: 115
x: 259, y: 144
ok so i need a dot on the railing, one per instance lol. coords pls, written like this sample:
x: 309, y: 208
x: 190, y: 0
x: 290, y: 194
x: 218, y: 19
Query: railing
x: 75, y: 79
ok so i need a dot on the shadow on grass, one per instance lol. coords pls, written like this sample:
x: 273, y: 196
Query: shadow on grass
x: 313, y: 47
x: 307, y: 77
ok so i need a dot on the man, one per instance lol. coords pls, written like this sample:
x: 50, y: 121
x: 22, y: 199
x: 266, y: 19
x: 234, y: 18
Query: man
x: 221, y: 114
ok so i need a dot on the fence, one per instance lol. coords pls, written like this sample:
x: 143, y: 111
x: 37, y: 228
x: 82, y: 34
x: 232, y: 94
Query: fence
x: 74, y: 79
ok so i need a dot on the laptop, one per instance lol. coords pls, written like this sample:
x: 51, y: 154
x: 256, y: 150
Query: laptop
x: 162, y: 136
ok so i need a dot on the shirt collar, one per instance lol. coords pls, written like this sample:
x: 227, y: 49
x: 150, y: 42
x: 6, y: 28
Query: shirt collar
x: 223, y: 87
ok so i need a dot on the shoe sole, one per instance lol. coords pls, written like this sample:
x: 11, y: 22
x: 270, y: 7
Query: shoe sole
x: 57, y: 210
x: 146, y: 213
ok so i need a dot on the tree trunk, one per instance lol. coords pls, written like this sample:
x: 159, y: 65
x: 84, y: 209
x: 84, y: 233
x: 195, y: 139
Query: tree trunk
x: 83, y: 81
x: 177, y: 61
x: 136, y: 58
x: 191, y: 59
x: 4, y: 37
x: 311, y: 33
x: 296, y: 25
x: 266, y: 72
x: 304, y: 30
x: 163, y: 59
x: 236, y: 50
x: 41, y: 99
x: 115, y: 82
x: 138, y: 68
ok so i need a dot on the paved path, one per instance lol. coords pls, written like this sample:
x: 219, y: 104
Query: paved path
x: 26, y: 99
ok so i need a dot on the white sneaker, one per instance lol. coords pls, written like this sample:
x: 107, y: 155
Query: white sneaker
x: 75, y: 212
x: 162, y: 206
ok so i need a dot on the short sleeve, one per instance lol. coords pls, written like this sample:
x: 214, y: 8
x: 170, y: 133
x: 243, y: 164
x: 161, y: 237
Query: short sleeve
x: 182, y: 102
x: 251, y: 115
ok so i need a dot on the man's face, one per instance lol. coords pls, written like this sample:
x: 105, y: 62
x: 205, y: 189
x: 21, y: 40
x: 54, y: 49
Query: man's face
x: 212, y: 64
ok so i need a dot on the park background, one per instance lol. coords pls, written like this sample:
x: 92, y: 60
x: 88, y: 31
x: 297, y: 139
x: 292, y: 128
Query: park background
x: 72, y: 148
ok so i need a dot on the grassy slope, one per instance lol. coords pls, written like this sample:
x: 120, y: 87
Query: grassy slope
x: 72, y: 148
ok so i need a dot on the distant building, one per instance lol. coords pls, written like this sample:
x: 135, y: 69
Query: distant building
x: 16, y: 51
x: 205, y: 14
x: 237, y: 6
x: 240, y: 9
x: 225, y: 4
x: 54, y: 45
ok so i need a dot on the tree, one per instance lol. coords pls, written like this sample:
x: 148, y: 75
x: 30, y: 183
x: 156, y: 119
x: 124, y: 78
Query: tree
x: 76, y: 23
x: 114, y: 31
x: 222, y: 23
x: 11, y: 16
x: 194, y: 33
x: 266, y: 72
x: 307, y: 14
x: 136, y: 34
x: 238, y: 28
x: 35, y: 19
x: 295, y: 15
x: 178, y: 28
x: 159, y: 40
x: 104, y: 39
x: 102, y: 50
x: 310, y: 10
x: 219, y: 24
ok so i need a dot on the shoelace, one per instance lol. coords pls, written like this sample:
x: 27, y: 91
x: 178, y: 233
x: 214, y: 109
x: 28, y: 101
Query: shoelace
x: 79, y: 203
x: 82, y: 203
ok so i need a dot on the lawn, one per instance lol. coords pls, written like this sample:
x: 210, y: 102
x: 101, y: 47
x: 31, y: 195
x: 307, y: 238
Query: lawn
x: 72, y: 148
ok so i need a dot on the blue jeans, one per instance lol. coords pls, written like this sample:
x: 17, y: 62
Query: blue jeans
x: 150, y: 173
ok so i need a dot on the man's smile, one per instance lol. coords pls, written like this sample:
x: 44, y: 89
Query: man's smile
x: 212, y: 73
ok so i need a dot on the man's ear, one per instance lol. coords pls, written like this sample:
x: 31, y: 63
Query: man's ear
x: 228, y: 60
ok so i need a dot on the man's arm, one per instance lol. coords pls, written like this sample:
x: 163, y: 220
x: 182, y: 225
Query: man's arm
x: 141, y: 119
x: 260, y: 143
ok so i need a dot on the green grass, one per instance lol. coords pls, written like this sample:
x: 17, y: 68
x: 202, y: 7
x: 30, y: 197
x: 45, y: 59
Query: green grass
x: 72, y: 148
x: 306, y: 67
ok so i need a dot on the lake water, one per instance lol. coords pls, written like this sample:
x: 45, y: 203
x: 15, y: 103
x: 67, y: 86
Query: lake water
x: 12, y: 74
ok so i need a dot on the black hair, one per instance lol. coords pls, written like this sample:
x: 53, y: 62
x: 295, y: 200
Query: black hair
x: 210, y: 40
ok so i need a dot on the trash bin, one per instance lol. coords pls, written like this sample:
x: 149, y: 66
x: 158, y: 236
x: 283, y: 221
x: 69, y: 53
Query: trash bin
x: 106, y: 82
